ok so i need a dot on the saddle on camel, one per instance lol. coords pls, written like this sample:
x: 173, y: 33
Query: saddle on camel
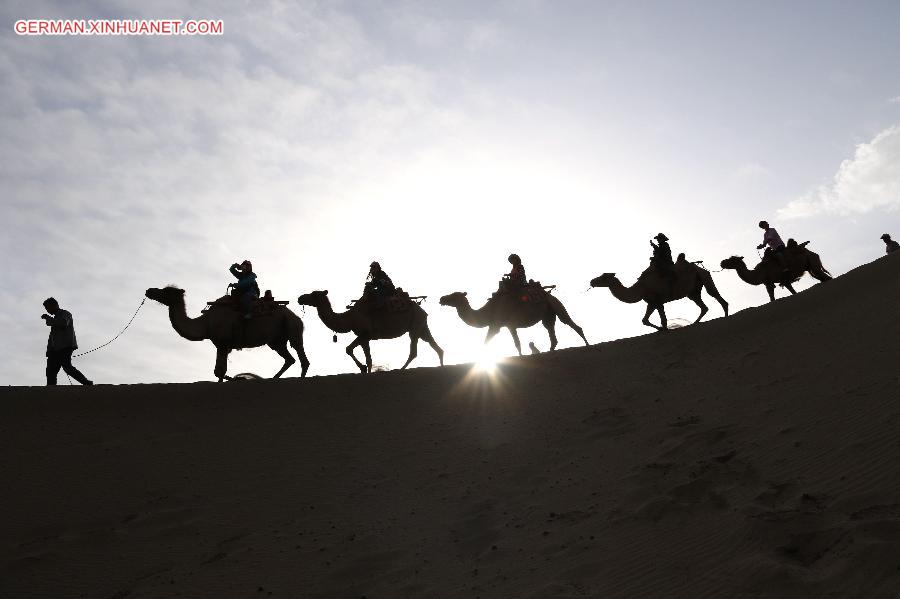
x: 398, y: 301
x: 379, y: 293
x: 531, y: 292
x: 515, y: 284
x: 262, y: 306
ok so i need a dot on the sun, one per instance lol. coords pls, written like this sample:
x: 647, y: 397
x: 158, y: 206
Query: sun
x: 486, y: 365
x: 488, y: 360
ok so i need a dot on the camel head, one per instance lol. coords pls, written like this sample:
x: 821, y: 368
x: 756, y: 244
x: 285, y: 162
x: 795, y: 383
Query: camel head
x: 604, y: 280
x: 316, y: 299
x: 733, y: 262
x: 455, y: 299
x: 167, y: 296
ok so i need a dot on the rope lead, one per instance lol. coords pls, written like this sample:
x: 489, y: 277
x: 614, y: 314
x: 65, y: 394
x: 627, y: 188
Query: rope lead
x: 133, y: 316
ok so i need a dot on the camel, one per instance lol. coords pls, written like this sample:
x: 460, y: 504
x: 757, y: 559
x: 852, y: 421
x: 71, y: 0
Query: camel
x: 653, y: 287
x: 798, y: 261
x: 507, y: 310
x: 227, y: 329
x: 370, y: 324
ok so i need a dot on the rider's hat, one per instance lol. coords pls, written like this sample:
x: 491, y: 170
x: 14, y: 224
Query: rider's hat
x: 763, y: 223
x: 662, y: 237
x: 248, y: 264
x: 374, y: 265
x: 514, y: 258
x: 885, y: 236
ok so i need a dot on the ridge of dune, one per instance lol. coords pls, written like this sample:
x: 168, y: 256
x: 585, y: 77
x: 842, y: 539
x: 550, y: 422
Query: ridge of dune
x: 756, y: 455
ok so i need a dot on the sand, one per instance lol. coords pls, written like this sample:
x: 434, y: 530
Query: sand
x: 752, y: 456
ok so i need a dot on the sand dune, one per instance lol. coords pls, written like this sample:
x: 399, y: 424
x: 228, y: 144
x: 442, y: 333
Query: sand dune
x: 752, y: 456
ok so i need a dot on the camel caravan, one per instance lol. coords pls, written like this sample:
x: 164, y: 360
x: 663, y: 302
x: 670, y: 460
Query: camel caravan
x: 242, y: 319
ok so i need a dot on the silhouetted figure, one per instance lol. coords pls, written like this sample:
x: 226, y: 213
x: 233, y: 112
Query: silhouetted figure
x: 662, y: 253
x: 772, y: 239
x: 515, y: 279
x: 379, y: 286
x: 533, y: 348
x: 516, y: 276
x: 246, y: 290
x: 61, y: 343
x: 891, y: 245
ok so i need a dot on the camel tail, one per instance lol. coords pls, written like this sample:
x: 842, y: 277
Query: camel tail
x: 710, y: 286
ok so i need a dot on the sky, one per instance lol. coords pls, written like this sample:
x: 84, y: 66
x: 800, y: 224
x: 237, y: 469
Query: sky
x: 436, y: 138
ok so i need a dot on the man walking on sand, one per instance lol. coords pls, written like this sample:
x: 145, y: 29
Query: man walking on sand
x: 61, y: 343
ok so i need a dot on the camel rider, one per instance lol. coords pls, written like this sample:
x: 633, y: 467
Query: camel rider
x: 662, y: 253
x: 662, y: 259
x: 891, y: 245
x: 516, y: 276
x: 379, y: 284
x: 772, y: 239
x: 246, y: 290
x: 515, y: 279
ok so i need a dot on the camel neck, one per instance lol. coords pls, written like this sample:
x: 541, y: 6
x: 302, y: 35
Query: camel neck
x: 629, y: 295
x: 192, y: 329
x: 473, y: 318
x: 751, y: 277
x: 339, y: 323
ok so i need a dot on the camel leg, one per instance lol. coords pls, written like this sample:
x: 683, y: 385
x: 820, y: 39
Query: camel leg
x: 566, y: 319
x: 646, y: 320
x: 549, y: 322
x: 818, y: 270
x: 282, y: 350
x: 492, y: 332
x: 819, y: 275
x: 563, y: 314
x: 221, y: 362
x: 413, y: 350
x: 427, y: 336
x: 297, y: 344
x: 515, y: 338
x: 770, y: 288
x: 711, y: 289
x: 349, y: 350
x: 698, y: 299
x: 368, y: 352
x: 663, y: 322
x: 790, y: 288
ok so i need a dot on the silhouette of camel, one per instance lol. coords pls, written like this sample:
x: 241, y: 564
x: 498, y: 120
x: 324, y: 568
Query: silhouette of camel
x: 657, y: 290
x: 369, y: 324
x: 227, y: 329
x: 506, y: 310
x: 797, y: 260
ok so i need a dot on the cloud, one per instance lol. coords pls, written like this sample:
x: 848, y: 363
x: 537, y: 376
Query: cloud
x: 869, y: 181
x: 895, y: 100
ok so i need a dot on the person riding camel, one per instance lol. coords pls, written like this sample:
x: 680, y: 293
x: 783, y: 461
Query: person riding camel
x: 379, y: 285
x: 891, y: 246
x: 516, y: 276
x: 662, y: 253
x: 772, y: 239
x: 515, y: 279
x: 662, y: 257
x: 246, y: 290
